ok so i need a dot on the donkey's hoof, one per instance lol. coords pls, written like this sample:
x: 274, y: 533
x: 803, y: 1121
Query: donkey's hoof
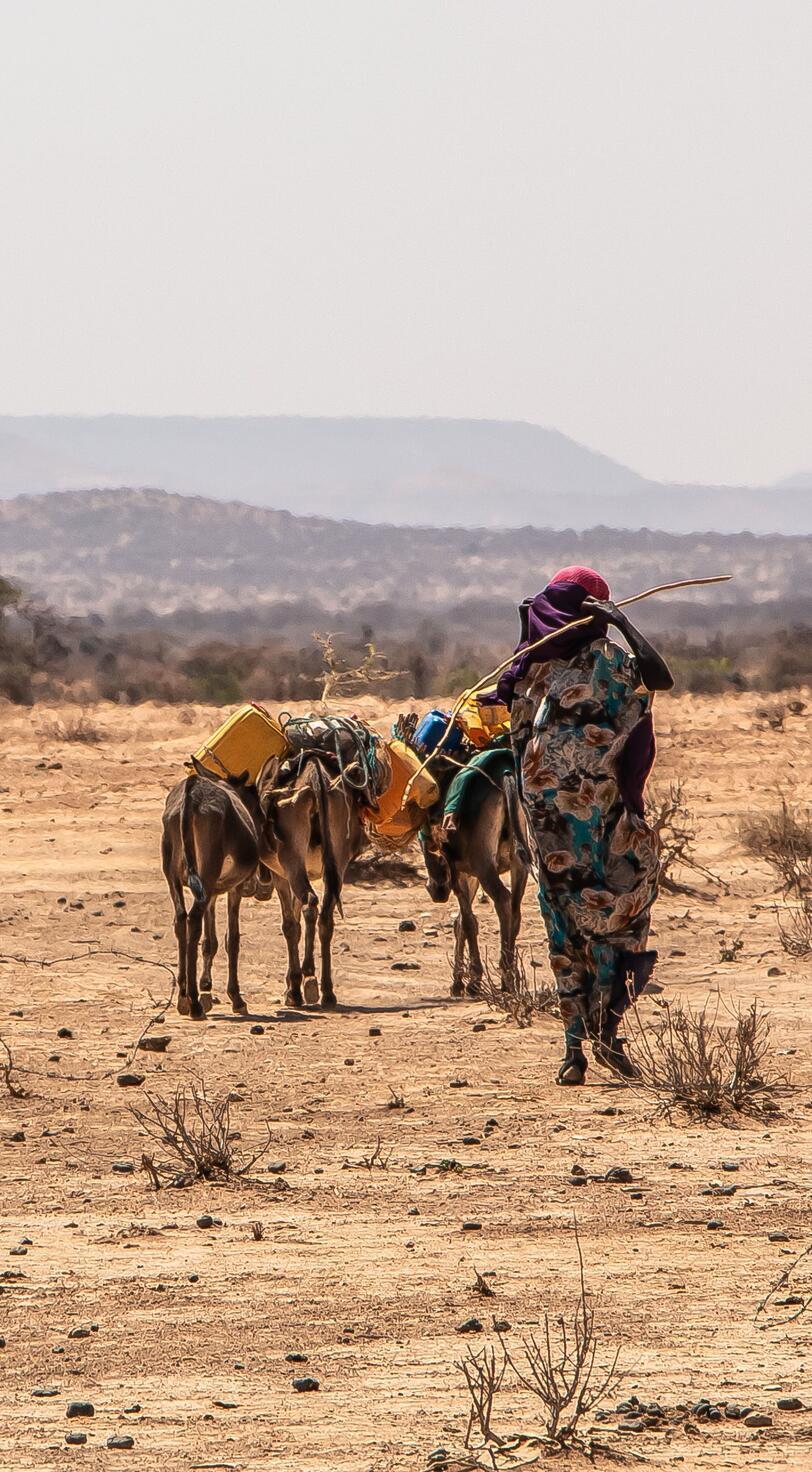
x: 311, y: 991
x: 293, y: 999
x: 183, y: 1005
x: 197, y: 1012
x: 329, y: 1001
x: 239, y: 1005
x: 206, y: 1001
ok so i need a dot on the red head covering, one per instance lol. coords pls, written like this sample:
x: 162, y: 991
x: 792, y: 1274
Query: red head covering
x: 584, y: 577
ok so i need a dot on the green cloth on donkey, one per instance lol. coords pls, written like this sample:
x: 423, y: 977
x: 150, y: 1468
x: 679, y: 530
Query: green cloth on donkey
x: 471, y: 784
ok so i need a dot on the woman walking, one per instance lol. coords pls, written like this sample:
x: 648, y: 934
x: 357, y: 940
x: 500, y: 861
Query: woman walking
x: 584, y: 742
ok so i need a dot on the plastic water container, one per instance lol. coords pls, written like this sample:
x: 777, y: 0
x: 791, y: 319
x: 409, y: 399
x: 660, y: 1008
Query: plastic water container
x: 430, y: 731
x: 395, y: 819
x: 483, y: 723
x: 244, y: 743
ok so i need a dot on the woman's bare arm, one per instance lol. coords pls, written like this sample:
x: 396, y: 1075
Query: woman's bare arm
x: 654, y: 671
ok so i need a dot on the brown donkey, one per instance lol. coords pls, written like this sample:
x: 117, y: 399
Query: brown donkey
x: 213, y: 844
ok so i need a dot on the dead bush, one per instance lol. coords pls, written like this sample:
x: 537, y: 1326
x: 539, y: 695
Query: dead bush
x: 196, y: 1130
x: 795, y: 927
x: 10, y: 1084
x: 668, y: 813
x: 564, y: 1369
x: 691, y: 1059
x: 79, y: 729
x: 526, y: 1000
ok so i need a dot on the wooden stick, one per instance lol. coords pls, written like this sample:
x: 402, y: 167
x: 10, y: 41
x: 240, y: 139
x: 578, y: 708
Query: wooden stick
x: 577, y: 623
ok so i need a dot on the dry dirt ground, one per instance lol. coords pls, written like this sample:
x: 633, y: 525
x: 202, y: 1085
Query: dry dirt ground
x: 369, y: 1273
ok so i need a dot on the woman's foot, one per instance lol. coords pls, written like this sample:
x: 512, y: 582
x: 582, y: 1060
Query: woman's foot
x: 610, y: 1052
x: 573, y: 1068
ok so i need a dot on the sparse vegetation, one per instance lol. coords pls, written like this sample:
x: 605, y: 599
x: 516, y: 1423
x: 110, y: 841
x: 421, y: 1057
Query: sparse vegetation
x: 196, y: 1130
x: 10, y: 1084
x: 691, y: 1059
x: 783, y: 838
x: 671, y: 818
x: 563, y: 1369
x: 526, y: 1001
x: 79, y: 729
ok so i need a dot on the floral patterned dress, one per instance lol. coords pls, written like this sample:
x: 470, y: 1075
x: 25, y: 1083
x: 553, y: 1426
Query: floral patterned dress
x: 598, y: 861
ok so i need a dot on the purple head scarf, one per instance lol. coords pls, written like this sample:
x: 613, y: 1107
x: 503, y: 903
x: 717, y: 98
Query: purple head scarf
x: 556, y: 606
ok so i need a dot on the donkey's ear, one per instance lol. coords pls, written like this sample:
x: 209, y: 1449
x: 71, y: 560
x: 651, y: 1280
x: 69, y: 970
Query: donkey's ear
x: 240, y: 781
x: 204, y: 771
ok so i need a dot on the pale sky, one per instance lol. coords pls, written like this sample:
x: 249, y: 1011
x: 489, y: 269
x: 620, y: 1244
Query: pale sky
x: 595, y: 215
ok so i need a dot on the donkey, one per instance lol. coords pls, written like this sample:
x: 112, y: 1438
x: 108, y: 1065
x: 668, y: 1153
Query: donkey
x: 314, y: 829
x: 213, y: 843
x: 487, y: 839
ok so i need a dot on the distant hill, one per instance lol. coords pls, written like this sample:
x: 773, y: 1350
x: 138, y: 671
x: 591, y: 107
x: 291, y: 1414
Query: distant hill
x: 431, y: 472
x: 124, y: 551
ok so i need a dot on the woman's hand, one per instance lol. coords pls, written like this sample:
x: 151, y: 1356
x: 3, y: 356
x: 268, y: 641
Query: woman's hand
x: 603, y: 610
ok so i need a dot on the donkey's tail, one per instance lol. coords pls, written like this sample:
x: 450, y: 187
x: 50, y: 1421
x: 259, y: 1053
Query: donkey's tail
x: 193, y: 879
x: 517, y: 829
x: 332, y: 880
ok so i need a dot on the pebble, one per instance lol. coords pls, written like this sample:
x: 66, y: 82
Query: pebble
x: 715, y: 1224
x: 405, y: 966
x: 120, y: 1443
x: 777, y: 1237
x: 257, y: 1029
x: 296, y: 1357
x: 733, y: 1411
x: 76, y: 1438
x: 790, y: 1403
x: 478, y: 1027
x: 123, y: 1167
x: 130, y: 1080
x: 413, y: 1211
x: 79, y: 1408
x: 471, y: 1140
x: 15, y: 1136
x: 470, y: 1326
x: 374, y: 1032
x: 2, y: 1341
x: 223, y: 1404
x: 18, y: 1252
x: 276, y: 1167
x: 42, y: 1393
x: 131, y: 1410
x: 155, y: 1042
x: 730, y: 1165
x: 618, y: 1173
x: 194, y: 1277
x: 306, y: 1382
x: 205, y: 1220
x: 79, y: 1333
x: 407, y: 925
x: 472, y: 1226
x: 758, y: 1418
x: 64, y: 1032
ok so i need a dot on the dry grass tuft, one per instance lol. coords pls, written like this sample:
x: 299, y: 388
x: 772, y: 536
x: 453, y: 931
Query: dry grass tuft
x: 79, y: 729
x: 690, y: 1059
x: 196, y: 1130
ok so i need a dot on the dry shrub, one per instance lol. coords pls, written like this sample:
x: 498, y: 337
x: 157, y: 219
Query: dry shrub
x: 525, y: 1001
x: 564, y: 1369
x: 79, y: 729
x: 691, y: 1059
x: 795, y: 927
x: 7, y: 1072
x: 196, y: 1130
x: 784, y: 839
x: 668, y: 813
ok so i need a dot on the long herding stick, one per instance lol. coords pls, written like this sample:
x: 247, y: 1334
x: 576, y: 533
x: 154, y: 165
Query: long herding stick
x: 577, y: 623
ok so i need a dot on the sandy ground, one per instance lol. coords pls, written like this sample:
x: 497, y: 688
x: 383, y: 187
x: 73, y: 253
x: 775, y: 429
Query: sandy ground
x: 368, y: 1273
